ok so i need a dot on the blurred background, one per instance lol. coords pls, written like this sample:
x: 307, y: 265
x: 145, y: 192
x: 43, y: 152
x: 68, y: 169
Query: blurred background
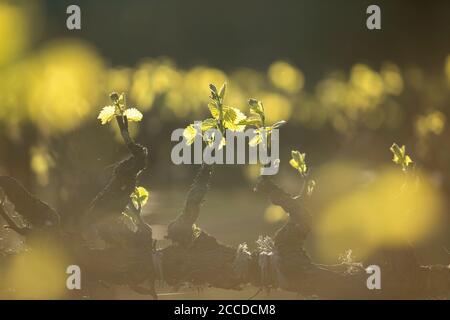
x: 347, y: 93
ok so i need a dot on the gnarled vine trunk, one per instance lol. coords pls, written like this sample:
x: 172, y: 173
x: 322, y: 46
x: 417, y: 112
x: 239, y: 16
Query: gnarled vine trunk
x: 130, y: 258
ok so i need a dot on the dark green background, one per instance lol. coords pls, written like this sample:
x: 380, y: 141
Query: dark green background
x: 315, y: 35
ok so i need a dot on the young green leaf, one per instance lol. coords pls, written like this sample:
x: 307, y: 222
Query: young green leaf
x: 212, y: 138
x: 107, y: 114
x: 133, y: 114
x: 252, y: 120
x: 119, y: 108
x: 189, y: 133
x: 298, y: 162
x: 223, y: 142
x: 214, y: 93
x: 114, y: 96
x: 120, y: 103
x: 212, y: 88
x: 232, y: 117
x: 257, y: 139
x: 400, y: 156
x: 196, y: 231
x: 256, y: 107
x: 229, y: 114
x: 214, y: 110
x: 139, y: 197
x: 209, y: 124
x: 222, y: 91
x: 252, y: 102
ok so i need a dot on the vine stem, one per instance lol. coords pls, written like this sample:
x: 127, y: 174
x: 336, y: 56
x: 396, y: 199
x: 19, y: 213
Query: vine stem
x: 122, y: 121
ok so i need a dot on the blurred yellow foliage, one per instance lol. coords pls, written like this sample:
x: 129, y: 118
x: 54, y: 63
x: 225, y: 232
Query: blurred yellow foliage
x: 63, y: 85
x: 286, y: 77
x: 367, y: 80
x: 274, y: 214
x: 195, y: 86
x: 433, y: 122
x: 252, y: 172
x: 276, y: 106
x: 58, y: 86
x: 40, y: 163
x: 371, y: 211
x: 38, y: 274
x: 14, y: 31
x: 118, y: 79
x: 392, y: 79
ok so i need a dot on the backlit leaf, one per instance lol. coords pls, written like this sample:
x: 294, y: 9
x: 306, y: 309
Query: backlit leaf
x: 133, y: 114
x: 257, y: 139
x: 256, y: 107
x: 209, y: 124
x: 253, y: 120
x: 120, y: 103
x: 232, y: 118
x: 298, y: 162
x: 222, y: 91
x: 213, y: 89
x: 189, y: 134
x: 107, y: 114
x: 214, y: 110
x: 400, y: 157
x: 139, y: 196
